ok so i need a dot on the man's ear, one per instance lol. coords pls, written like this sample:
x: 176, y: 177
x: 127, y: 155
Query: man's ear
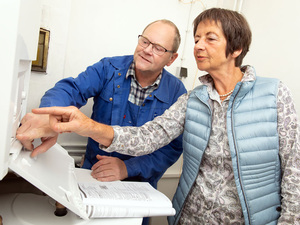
x: 172, y: 59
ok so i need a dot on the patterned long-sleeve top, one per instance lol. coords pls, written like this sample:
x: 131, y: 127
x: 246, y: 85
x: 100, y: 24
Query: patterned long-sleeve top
x: 214, y: 198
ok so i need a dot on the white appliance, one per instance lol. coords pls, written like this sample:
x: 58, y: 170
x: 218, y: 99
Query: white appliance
x: 52, y: 172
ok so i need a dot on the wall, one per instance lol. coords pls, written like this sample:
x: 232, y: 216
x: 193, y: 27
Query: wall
x: 276, y: 34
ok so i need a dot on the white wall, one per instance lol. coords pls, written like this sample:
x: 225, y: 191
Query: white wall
x: 276, y: 41
x: 84, y: 31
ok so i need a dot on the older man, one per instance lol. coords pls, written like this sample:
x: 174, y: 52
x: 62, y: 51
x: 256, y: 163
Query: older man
x: 127, y: 91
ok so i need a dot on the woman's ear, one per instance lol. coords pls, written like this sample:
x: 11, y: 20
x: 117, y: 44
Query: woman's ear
x: 236, y: 53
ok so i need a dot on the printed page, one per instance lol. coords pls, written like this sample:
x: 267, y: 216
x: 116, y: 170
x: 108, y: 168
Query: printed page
x: 121, y: 198
x: 115, y: 211
x: 120, y: 193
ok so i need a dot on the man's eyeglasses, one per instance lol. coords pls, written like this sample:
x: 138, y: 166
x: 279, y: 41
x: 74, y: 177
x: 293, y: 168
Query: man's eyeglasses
x: 156, y: 48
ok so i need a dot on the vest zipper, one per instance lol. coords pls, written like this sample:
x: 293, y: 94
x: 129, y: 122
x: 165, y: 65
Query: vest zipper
x: 237, y: 158
x: 176, y: 219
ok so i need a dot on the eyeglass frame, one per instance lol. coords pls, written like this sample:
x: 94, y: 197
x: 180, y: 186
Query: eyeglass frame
x: 153, y: 44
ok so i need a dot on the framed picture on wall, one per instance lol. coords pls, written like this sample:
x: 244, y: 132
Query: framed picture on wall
x: 40, y: 64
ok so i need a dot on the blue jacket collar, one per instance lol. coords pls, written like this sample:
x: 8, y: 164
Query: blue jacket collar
x: 162, y: 93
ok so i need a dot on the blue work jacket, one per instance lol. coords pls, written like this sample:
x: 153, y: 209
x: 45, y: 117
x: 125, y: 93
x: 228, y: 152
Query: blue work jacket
x: 106, y: 83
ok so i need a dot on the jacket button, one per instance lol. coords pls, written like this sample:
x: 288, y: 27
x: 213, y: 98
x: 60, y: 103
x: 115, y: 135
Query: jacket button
x: 150, y: 95
x: 118, y: 86
x: 278, y: 209
x: 110, y: 99
x: 143, y: 104
x: 119, y: 74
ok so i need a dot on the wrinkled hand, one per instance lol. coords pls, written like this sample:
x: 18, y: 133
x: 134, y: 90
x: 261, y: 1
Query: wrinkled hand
x: 70, y: 119
x: 66, y: 120
x: 109, y: 169
x: 33, y: 127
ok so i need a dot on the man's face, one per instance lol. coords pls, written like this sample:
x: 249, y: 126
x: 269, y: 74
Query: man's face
x: 146, y: 61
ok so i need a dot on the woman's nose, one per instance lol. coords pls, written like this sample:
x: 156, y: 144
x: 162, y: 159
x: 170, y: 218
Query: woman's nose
x: 200, y: 45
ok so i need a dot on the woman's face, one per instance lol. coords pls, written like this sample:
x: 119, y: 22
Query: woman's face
x: 210, y: 47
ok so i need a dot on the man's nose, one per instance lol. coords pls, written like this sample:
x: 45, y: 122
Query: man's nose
x: 149, y: 49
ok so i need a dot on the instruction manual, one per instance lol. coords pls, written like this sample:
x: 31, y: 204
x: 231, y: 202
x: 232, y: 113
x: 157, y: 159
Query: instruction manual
x: 121, y: 198
x: 54, y: 173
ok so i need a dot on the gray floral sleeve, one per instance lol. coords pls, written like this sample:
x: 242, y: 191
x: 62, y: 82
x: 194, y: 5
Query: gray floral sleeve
x: 289, y: 150
x: 152, y: 135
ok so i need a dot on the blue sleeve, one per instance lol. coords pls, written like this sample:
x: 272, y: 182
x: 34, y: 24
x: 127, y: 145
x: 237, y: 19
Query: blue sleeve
x: 76, y: 91
x: 150, y: 168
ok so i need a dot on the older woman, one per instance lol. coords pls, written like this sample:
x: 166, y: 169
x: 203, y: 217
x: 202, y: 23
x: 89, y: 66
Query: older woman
x: 240, y: 134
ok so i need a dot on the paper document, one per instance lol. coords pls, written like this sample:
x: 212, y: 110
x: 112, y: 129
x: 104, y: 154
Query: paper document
x: 124, y: 199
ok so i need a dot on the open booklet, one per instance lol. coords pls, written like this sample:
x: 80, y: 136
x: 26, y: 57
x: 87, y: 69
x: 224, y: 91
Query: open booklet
x: 121, y: 198
x: 54, y: 173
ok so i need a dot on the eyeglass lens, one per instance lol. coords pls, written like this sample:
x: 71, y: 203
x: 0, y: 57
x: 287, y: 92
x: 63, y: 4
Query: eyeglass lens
x: 157, y: 49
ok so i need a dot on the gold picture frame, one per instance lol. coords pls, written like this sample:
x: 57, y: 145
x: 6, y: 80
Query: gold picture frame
x: 40, y: 64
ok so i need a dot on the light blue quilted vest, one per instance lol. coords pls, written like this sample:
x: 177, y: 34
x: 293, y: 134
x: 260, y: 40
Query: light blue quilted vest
x: 254, y: 145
